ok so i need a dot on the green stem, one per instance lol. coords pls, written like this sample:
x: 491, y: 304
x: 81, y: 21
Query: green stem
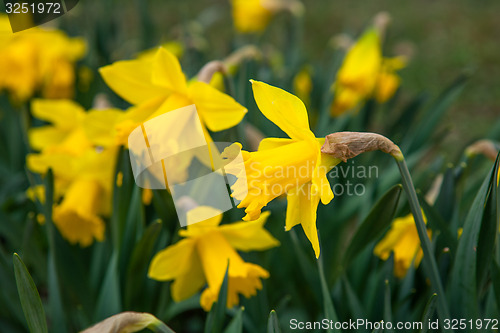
x: 428, y: 259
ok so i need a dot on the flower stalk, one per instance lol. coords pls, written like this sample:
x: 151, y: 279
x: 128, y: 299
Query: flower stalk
x: 346, y: 145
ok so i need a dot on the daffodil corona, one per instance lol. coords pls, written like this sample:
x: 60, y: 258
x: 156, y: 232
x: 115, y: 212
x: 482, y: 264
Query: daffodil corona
x: 295, y: 166
x: 202, y: 257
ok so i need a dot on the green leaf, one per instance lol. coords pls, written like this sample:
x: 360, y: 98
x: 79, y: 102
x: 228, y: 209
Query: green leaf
x: 430, y: 308
x: 215, y: 319
x: 236, y: 324
x: 57, y: 312
x: 488, y: 232
x: 306, y: 265
x: 327, y: 298
x: 121, y: 197
x: 134, y: 228
x: 377, y: 221
x: 353, y: 301
x: 437, y: 223
x: 495, y: 277
x: 30, y: 299
x: 138, y: 264
x: 109, y: 301
x: 387, y: 305
x: 273, y: 323
x: 463, y: 275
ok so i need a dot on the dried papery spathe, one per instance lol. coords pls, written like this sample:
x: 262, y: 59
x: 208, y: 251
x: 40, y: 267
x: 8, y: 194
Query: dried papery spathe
x: 346, y: 145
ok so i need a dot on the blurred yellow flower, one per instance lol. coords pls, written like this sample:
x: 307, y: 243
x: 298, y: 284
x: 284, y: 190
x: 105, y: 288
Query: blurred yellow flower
x: 38, y: 59
x: 293, y: 166
x: 365, y: 73
x: 402, y: 240
x: 202, y: 258
x: 86, y: 181
x: 302, y: 85
x: 253, y: 16
x: 82, y: 173
x: 158, y: 85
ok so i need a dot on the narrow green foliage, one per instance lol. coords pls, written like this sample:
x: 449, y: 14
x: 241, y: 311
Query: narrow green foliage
x: 30, y: 299
x: 273, y: 323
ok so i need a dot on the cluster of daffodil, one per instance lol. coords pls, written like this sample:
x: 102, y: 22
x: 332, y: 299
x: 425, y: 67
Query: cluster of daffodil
x: 78, y: 146
x: 38, y: 61
x: 83, y: 167
x: 81, y: 148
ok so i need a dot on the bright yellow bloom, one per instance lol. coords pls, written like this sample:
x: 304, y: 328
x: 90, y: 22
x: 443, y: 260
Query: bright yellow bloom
x: 202, y: 258
x: 86, y: 181
x: 37, y: 59
x: 158, y: 85
x: 295, y: 167
x: 402, y: 239
x: 365, y: 73
x: 77, y: 216
x: 251, y: 16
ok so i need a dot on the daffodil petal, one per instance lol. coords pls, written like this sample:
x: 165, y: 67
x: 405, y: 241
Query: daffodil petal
x: 132, y: 80
x: 45, y: 136
x: 59, y: 163
x: 271, y: 143
x: 324, y: 164
x: 62, y: 113
x: 97, y: 125
x: 173, y: 261
x: 218, y: 110
x: 284, y: 109
x: 167, y: 72
x: 190, y: 283
x: 301, y: 209
x: 249, y: 236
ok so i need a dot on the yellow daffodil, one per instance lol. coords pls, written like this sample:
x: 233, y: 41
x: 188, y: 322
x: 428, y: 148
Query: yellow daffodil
x: 402, y: 240
x: 295, y: 167
x: 158, y: 85
x: 253, y: 16
x: 302, y: 85
x: 38, y: 59
x: 82, y: 173
x: 365, y: 73
x: 203, y: 255
x: 86, y: 182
